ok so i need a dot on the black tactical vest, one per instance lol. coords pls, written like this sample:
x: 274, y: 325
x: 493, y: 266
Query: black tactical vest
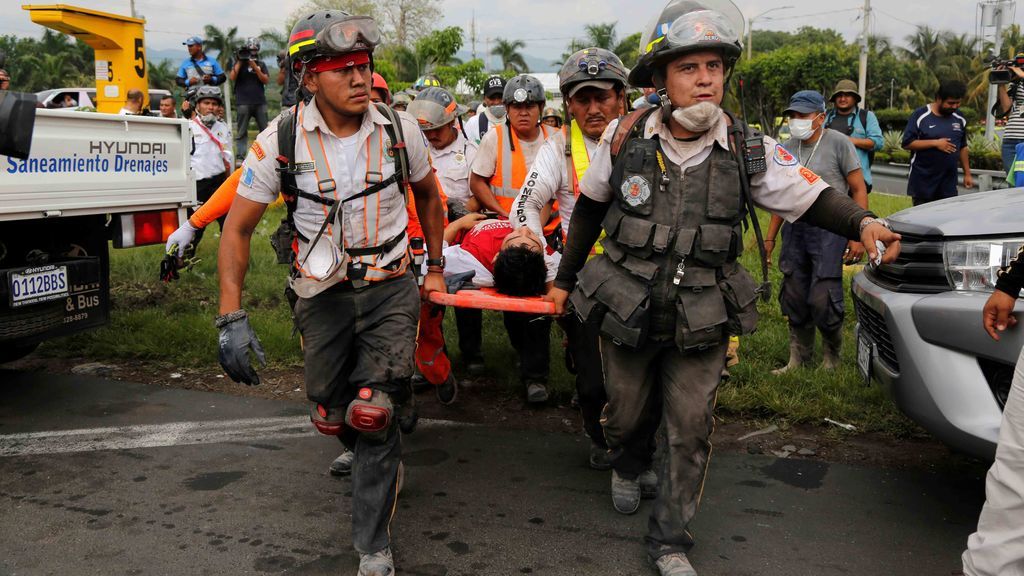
x: 669, y: 269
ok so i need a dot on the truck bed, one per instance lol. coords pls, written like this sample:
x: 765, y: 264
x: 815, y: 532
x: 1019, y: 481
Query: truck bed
x: 85, y: 163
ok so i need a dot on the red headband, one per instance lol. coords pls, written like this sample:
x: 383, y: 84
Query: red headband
x: 340, y: 61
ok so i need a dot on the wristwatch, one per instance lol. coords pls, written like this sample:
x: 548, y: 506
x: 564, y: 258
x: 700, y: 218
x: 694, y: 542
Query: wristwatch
x: 438, y: 262
x: 868, y: 221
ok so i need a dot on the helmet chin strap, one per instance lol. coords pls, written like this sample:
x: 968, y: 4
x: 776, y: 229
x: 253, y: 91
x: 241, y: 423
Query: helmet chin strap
x: 664, y: 102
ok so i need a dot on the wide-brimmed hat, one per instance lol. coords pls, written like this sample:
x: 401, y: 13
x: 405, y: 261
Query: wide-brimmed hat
x: 845, y: 87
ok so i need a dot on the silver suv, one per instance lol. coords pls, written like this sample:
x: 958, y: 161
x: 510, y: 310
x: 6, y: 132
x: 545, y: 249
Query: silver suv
x: 919, y: 329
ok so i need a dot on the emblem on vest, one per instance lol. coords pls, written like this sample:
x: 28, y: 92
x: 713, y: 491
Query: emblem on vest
x: 636, y: 190
x: 390, y: 156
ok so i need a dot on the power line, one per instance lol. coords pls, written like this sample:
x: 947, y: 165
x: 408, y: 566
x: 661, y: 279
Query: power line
x: 887, y: 15
x: 830, y: 12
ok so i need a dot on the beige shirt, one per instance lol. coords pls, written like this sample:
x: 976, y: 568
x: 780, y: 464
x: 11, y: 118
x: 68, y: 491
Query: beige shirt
x: 261, y: 182
x: 487, y: 155
x: 452, y: 165
x: 785, y: 188
x: 550, y: 180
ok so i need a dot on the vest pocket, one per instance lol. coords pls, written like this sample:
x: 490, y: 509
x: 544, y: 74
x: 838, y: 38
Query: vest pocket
x: 701, y: 316
x: 740, y: 292
x: 644, y: 269
x: 604, y: 288
x: 714, y: 240
x: 724, y: 190
x: 634, y: 232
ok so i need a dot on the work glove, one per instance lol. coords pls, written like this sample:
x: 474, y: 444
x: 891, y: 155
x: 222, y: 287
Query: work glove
x: 235, y: 340
x: 183, y: 236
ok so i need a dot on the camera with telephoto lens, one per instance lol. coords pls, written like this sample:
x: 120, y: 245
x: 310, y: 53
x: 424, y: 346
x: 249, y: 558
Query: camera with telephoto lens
x: 1004, y: 76
x: 248, y: 51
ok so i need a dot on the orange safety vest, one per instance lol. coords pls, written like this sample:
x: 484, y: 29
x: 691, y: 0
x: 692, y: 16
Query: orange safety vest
x: 510, y: 171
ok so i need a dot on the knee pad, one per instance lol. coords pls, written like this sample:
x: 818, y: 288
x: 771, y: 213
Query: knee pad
x: 329, y: 421
x: 370, y: 414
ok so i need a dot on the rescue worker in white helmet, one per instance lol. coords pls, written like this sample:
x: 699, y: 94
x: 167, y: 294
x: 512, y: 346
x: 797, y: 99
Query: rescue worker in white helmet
x: 498, y: 172
x: 357, y: 301
x: 492, y: 112
x: 593, y: 85
x: 668, y: 290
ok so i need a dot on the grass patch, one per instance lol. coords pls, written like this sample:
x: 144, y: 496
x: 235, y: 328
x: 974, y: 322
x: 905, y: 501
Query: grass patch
x: 173, y: 324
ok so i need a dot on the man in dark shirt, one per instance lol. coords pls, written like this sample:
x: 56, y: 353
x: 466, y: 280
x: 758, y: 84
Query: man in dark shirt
x: 937, y: 136
x: 250, y: 75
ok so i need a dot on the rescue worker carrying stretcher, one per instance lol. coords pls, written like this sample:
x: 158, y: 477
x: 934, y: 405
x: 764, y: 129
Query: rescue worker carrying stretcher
x: 357, y: 306
x: 593, y: 85
x: 671, y: 186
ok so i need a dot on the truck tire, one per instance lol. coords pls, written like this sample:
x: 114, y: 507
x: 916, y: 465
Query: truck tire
x: 16, y: 352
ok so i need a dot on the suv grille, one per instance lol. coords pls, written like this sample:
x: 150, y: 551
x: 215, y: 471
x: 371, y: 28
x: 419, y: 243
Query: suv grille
x: 874, y: 325
x: 919, y: 268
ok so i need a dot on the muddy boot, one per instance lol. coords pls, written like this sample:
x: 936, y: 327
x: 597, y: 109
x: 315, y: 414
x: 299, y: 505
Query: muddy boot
x: 832, y: 342
x: 801, y: 346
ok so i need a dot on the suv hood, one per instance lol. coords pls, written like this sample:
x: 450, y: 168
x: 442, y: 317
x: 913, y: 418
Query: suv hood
x: 993, y: 213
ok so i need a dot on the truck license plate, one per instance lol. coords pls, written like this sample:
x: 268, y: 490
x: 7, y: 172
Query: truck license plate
x: 864, y: 356
x: 38, y: 285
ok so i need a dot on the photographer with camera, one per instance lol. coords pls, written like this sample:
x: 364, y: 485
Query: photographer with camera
x: 1010, y: 105
x: 250, y: 75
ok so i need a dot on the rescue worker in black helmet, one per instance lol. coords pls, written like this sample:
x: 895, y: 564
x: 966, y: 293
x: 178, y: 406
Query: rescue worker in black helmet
x: 593, y: 85
x: 344, y: 179
x: 668, y: 291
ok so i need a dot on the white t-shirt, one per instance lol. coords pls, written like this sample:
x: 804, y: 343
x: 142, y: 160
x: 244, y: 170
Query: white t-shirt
x: 786, y: 188
x: 550, y: 180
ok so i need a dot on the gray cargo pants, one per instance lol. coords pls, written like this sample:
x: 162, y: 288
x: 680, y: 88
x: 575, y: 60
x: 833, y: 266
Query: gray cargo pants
x: 687, y: 384
x: 351, y: 340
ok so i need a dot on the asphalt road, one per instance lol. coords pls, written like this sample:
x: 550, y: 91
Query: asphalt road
x: 102, y: 477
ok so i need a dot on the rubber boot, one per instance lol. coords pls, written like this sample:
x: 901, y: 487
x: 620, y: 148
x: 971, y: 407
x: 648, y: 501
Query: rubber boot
x: 832, y: 342
x: 801, y: 346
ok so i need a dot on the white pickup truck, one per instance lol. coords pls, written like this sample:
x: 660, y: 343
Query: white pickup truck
x: 88, y: 180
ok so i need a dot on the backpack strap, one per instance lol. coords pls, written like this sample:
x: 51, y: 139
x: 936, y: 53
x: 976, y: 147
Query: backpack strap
x: 401, y: 154
x: 742, y: 140
x: 630, y: 126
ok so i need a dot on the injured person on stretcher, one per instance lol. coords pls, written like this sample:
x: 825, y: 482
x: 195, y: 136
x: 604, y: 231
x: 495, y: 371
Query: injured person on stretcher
x: 515, y: 261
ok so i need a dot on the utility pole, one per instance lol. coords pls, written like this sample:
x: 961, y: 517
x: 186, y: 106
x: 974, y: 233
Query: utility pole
x: 133, y: 8
x: 892, y: 85
x: 750, y: 28
x: 994, y: 15
x: 862, y: 83
x: 472, y: 33
x: 487, y: 53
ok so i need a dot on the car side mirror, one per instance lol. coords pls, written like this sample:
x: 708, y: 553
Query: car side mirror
x: 17, y: 119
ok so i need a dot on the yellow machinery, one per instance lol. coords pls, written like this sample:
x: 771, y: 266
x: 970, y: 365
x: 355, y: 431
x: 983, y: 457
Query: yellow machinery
x: 119, y: 42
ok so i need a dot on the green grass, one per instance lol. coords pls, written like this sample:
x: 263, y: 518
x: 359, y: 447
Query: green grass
x: 172, y: 325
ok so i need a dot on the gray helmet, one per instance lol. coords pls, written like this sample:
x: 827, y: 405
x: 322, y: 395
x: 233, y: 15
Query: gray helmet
x: 594, y: 67
x: 523, y: 89
x: 435, y: 107
x: 213, y: 92
x: 688, y: 26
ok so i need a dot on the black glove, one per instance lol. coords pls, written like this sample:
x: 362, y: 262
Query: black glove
x: 235, y: 340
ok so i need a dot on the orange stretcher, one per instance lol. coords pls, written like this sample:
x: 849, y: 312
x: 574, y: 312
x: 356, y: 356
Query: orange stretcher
x: 490, y: 299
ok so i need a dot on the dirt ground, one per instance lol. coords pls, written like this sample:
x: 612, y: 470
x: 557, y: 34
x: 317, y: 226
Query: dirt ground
x: 483, y: 401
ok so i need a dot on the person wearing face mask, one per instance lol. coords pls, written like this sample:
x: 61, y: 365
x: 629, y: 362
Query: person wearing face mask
x: 671, y: 186
x: 492, y: 111
x: 812, y: 258
x: 937, y: 136
x: 211, y: 148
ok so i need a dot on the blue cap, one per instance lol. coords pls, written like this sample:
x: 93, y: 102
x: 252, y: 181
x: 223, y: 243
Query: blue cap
x: 806, y: 101
x: 191, y: 40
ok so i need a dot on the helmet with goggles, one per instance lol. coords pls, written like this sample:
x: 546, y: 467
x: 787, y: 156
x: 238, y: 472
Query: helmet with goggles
x: 523, y: 89
x: 435, y: 107
x: 591, y: 67
x: 685, y: 26
x: 327, y: 33
x: 207, y: 92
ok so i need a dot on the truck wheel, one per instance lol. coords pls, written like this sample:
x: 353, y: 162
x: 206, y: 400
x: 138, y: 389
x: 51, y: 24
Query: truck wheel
x: 16, y: 352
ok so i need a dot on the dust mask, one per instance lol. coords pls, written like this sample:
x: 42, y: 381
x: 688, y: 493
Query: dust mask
x: 801, y: 128
x: 698, y: 118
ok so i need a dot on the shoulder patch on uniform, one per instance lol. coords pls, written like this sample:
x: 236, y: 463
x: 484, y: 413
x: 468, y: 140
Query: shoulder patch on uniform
x: 257, y: 150
x: 809, y: 175
x: 247, y: 176
x: 783, y: 157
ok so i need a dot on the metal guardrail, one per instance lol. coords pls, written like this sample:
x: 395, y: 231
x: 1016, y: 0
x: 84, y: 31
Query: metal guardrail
x: 984, y: 180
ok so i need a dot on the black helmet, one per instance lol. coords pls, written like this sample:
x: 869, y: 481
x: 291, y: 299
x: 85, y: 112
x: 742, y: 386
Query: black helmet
x: 523, y: 89
x: 328, y: 32
x: 591, y: 67
x: 688, y: 26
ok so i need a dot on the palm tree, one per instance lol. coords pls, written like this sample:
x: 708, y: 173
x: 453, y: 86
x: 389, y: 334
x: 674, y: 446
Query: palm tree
x: 925, y: 47
x: 224, y: 42
x: 628, y: 49
x: 601, y: 35
x: 511, y: 59
x: 161, y: 74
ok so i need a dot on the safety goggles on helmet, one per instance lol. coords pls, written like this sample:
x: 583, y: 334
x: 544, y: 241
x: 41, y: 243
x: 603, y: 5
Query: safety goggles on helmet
x: 351, y: 34
x: 211, y: 92
x: 703, y: 27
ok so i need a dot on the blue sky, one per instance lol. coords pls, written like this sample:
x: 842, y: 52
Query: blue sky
x: 545, y: 25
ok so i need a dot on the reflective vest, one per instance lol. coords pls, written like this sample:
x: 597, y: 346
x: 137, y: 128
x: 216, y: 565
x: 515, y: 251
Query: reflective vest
x: 577, y: 161
x: 510, y: 168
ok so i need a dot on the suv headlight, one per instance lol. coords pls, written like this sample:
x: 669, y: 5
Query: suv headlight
x: 975, y: 264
